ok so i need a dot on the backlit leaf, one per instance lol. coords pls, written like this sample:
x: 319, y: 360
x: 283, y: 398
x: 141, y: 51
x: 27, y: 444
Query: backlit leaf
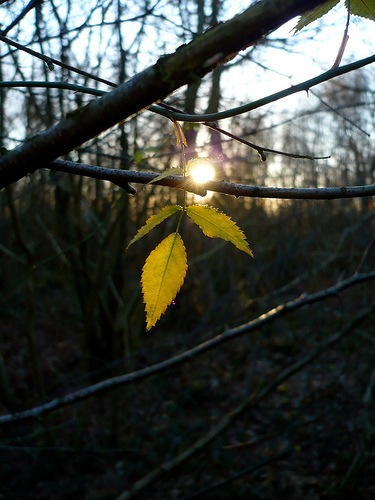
x: 180, y: 136
x: 154, y: 220
x: 363, y: 8
x: 215, y: 224
x: 314, y: 14
x: 167, y: 173
x: 162, y: 276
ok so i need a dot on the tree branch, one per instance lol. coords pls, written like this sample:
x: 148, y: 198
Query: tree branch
x: 122, y: 177
x: 245, y: 108
x: 187, y: 64
x: 250, y: 401
x: 177, y: 115
x: 227, y: 335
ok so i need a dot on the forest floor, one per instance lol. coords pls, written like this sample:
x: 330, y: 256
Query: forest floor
x: 312, y: 436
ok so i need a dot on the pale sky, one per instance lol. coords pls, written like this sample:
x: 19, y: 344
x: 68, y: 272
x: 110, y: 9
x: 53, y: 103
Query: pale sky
x: 307, y: 57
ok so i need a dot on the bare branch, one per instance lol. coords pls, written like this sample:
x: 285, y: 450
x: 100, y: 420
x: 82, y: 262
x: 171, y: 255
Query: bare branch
x: 31, y: 5
x: 251, y: 400
x: 122, y: 177
x: 189, y: 63
x: 227, y: 335
x: 245, y: 108
x: 262, y: 150
x: 177, y: 115
x: 50, y: 61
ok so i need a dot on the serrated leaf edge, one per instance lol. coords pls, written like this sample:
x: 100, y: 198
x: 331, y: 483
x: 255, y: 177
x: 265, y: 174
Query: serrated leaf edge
x: 153, y: 321
x: 314, y: 14
x: 154, y: 221
x: 362, y: 10
x: 235, y: 225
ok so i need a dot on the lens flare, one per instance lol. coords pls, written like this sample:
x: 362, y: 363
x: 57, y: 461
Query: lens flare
x: 201, y: 170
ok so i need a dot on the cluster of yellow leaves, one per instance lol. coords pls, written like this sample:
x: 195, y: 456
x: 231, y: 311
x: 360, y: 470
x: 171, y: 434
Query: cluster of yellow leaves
x: 165, y: 268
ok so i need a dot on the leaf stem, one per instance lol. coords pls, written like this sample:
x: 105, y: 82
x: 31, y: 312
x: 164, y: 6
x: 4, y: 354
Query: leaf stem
x: 181, y: 140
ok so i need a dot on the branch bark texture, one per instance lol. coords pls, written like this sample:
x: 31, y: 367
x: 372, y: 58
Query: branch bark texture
x: 122, y: 177
x: 187, y: 64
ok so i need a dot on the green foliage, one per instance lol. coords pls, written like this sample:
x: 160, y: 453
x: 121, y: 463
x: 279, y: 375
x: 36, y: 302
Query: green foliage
x: 313, y: 15
x: 363, y: 8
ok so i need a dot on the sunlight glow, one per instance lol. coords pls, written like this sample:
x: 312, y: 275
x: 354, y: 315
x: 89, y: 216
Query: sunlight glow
x: 201, y: 170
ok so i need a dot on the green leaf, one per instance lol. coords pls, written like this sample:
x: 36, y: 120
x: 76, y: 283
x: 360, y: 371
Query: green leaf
x: 215, y: 224
x: 154, y: 220
x: 314, y: 14
x: 363, y: 8
x: 162, y: 276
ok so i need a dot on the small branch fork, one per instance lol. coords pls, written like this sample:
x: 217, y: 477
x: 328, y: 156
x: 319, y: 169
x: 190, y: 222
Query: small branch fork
x: 225, y: 336
x: 261, y: 150
x: 123, y: 177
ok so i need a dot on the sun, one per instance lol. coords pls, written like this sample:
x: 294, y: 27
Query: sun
x: 201, y: 170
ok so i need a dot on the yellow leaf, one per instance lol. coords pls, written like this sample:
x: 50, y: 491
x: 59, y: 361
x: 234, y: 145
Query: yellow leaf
x: 154, y: 220
x: 215, y: 224
x: 162, y: 276
x: 167, y: 173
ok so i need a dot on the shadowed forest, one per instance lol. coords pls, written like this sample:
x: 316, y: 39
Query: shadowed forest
x: 258, y: 381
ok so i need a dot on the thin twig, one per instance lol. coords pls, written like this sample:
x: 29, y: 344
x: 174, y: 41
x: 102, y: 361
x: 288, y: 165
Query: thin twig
x: 50, y: 61
x: 92, y: 91
x: 262, y: 150
x: 250, y: 401
x: 225, y: 336
x: 245, y: 108
x: 165, y: 110
x: 345, y: 39
x: 31, y: 5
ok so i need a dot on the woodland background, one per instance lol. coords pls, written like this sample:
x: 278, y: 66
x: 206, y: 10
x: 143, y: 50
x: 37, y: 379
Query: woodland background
x: 295, y: 424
